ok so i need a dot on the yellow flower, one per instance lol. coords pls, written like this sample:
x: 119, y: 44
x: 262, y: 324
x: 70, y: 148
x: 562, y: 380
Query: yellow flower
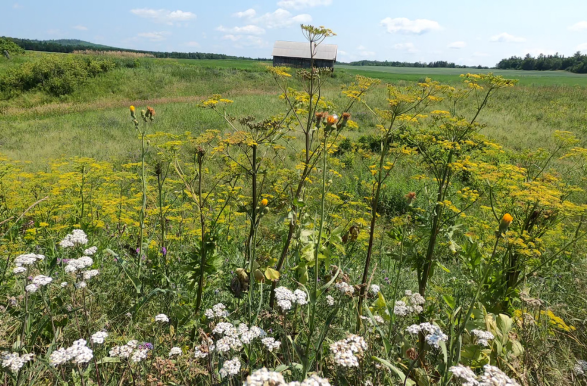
x: 264, y: 202
x: 132, y: 109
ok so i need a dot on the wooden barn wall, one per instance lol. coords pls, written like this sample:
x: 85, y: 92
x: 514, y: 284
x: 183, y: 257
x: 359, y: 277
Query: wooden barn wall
x: 301, y: 62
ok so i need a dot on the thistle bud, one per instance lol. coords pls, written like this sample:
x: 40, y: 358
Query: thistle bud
x: 319, y: 117
x: 150, y: 113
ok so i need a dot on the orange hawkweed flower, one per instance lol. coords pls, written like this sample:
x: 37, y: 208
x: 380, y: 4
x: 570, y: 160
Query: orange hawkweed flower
x: 331, y: 120
x: 150, y: 111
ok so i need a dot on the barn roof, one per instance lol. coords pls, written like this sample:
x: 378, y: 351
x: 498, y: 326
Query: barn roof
x: 302, y: 50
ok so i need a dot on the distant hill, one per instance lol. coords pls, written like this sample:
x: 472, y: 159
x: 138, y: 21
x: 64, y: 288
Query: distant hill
x: 70, y: 45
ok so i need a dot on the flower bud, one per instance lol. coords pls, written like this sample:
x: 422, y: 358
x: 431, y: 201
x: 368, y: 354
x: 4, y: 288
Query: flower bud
x: 506, y: 220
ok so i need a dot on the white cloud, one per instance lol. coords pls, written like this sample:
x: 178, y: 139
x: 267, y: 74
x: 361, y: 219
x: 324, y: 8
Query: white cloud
x: 408, y: 47
x: 246, y: 30
x: 246, y: 41
x: 507, y: 38
x: 300, y: 4
x: 192, y: 44
x: 407, y: 26
x: 457, y: 45
x: 249, y: 13
x: 80, y: 28
x: 582, y: 47
x: 580, y: 26
x: 154, y: 36
x: 282, y: 18
x: 164, y: 15
x: 364, y: 52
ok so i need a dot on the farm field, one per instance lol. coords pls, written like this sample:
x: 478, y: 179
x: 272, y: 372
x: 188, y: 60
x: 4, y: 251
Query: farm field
x: 221, y: 222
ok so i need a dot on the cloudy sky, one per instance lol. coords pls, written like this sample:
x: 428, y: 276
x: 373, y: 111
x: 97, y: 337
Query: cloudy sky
x: 466, y: 32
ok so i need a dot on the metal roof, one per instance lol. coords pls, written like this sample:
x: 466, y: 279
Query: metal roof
x: 302, y: 50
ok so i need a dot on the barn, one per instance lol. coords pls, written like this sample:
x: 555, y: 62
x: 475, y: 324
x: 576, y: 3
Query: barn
x: 295, y: 54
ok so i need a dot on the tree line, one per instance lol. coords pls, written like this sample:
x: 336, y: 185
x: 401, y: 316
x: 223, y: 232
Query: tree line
x: 576, y: 63
x: 69, y: 46
x: 436, y: 64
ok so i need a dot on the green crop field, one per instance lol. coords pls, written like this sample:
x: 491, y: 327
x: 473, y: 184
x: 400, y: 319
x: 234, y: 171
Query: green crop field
x: 365, y: 226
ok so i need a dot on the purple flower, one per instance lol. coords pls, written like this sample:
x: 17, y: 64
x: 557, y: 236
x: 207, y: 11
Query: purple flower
x: 30, y: 278
x: 164, y: 251
x: 138, y: 250
x: 146, y: 345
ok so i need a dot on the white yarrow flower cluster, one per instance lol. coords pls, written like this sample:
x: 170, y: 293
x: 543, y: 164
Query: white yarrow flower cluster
x: 42, y: 280
x: 434, y: 334
x: 77, y: 353
x: 14, y: 361
x: 75, y: 265
x: 175, y: 351
x: 218, y: 311
x: 264, y: 377
x: 230, y: 368
x: 329, y: 300
x: 482, y: 337
x: 345, y: 288
x: 162, y: 318
x: 130, y: 350
x: 580, y: 367
x: 492, y: 376
x: 18, y: 270
x: 31, y: 288
x: 99, y: 337
x: 375, y: 289
x: 413, y: 305
x: 87, y: 275
x: 232, y: 338
x: 347, y: 351
x: 77, y: 237
x: 90, y: 251
x: 81, y: 284
x: 271, y: 344
x: 465, y: 375
x: 28, y: 259
x: 286, y: 298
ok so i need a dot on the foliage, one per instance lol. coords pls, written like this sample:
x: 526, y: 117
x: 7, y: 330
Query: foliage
x: 10, y: 47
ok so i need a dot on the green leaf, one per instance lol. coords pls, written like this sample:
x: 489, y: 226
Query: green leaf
x: 504, y: 323
x: 397, y: 371
x: 109, y: 360
x: 281, y: 368
x: 443, y: 267
x: 450, y: 301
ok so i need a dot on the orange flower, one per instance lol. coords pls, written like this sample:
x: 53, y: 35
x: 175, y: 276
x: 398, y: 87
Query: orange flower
x: 264, y: 202
x: 346, y: 116
x: 506, y: 220
x: 150, y: 111
x: 331, y: 120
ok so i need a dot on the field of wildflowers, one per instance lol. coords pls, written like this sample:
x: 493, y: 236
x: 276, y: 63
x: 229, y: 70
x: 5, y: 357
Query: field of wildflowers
x: 272, y: 252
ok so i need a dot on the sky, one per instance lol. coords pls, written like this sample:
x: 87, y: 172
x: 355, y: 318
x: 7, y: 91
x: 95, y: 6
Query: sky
x: 465, y: 32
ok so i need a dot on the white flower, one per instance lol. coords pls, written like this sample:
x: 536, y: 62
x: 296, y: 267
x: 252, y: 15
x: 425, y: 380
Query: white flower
x: 285, y: 305
x: 301, y: 297
x: 264, y: 377
x: 90, y: 251
x: 493, y: 376
x: 42, y: 280
x: 99, y: 337
x: 433, y: 334
x: 175, y: 351
x: 314, y: 380
x: 345, y: 288
x: 417, y: 299
x: 329, y: 300
x: 139, y: 355
x: 77, y: 353
x: 162, y: 318
x: 220, y: 310
x: 375, y: 289
x: 81, y: 284
x: 18, y: 270
x: 58, y: 357
x: 414, y: 329
x: 78, y: 264
x: 483, y: 337
x: 64, y: 284
x: 230, y: 368
x: 28, y: 259
x: 580, y: 367
x: 271, y: 344
x: 400, y: 308
x: 465, y: 375
x: 347, y: 351
x: 15, y: 362
x: 31, y: 288
x: 87, y: 275
x: 77, y: 237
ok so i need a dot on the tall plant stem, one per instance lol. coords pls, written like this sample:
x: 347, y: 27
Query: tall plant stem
x: 143, y: 207
x: 374, y: 209
x: 202, y: 238
x: 253, y: 231
x: 314, y: 298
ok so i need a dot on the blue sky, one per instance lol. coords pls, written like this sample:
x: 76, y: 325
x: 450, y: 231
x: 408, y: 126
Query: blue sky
x: 466, y: 32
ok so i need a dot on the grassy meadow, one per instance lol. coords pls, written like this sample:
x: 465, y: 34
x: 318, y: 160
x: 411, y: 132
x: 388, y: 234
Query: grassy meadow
x: 222, y: 222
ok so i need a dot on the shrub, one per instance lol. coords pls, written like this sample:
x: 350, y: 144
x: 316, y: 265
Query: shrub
x: 55, y: 74
x: 10, y: 47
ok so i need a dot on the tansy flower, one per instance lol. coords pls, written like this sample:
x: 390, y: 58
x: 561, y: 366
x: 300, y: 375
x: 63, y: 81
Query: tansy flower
x: 264, y: 202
